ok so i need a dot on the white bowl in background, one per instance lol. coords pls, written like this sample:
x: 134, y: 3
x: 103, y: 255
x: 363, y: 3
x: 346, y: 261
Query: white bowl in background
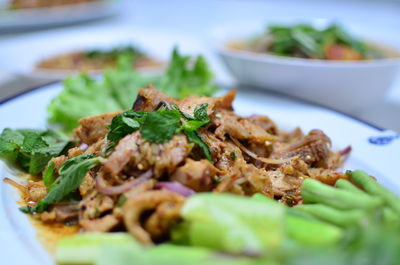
x: 344, y: 85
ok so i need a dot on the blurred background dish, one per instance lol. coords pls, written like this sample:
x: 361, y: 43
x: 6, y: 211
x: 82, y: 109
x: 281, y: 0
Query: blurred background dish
x: 39, y: 54
x: 95, y: 60
x: 18, y: 15
x: 325, y: 65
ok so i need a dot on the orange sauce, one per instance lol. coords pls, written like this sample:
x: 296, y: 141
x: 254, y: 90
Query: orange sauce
x: 49, y: 234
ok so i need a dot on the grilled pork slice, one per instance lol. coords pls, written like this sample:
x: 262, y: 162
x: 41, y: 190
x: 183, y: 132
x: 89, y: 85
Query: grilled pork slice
x: 93, y: 128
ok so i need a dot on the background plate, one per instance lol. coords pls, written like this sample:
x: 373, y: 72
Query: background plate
x: 33, y: 18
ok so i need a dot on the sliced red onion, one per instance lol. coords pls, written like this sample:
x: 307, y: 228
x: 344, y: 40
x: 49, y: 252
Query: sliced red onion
x: 175, y: 187
x: 83, y: 147
x: 112, y: 190
x: 346, y: 151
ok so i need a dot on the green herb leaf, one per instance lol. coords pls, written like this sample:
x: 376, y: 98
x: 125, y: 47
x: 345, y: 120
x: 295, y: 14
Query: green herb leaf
x: 49, y: 175
x: 31, y: 149
x: 302, y: 40
x: 194, y: 137
x: 160, y: 126
x: 200, y: 113
x: 71, y: 174
x: 124, y: 124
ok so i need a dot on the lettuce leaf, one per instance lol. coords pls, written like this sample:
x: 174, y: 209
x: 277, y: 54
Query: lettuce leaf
x: 117, y: 89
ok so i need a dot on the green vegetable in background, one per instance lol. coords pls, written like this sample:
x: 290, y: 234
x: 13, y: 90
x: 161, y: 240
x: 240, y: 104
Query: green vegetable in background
x: 71, y: 174
x: 31, y: 149
x: 83, y: 96
x: 113, y: 54
x: 303, y: 40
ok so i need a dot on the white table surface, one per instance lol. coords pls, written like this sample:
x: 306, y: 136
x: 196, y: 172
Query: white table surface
x: 197, y: 19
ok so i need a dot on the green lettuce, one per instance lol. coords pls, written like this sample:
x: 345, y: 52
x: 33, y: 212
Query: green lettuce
x: 117, y: 89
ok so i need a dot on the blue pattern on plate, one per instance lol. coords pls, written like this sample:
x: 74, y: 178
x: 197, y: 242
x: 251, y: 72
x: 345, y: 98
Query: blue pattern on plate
x: 383, y: 140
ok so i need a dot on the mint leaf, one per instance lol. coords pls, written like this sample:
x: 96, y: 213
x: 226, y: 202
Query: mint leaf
x: 31, y: 149
x: 71, y: 174
x: 160, y: 126
x: 194, y: 137
x: 125, y: 123
x: 32, y: 142
x: 200, y: 113
x: 10, y: 140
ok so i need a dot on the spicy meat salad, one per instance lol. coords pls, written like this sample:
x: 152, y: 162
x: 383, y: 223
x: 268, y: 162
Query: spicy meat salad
x: 183, y: 181
x: 98, y: 59
x: 152, y: 157
x: 306, y: 41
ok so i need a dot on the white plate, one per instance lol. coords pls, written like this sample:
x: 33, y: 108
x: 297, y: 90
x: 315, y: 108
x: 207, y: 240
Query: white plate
x: 332, y: 83
x: 19, y: 245
x: 20, y: 55
x: 26, y: 19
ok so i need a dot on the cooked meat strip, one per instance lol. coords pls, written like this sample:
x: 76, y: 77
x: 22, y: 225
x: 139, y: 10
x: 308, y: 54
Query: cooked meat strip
x: 164, y: 217
x: 93, y: 128
x: 224, y: 153
x: 35, y: 191
x: 314, y: 149
x: 197, y: 175
x: 228, y: 123
x: 59, y: 161
x: 61, y: 212
x: 94, y: 204
x: 149, y: 99
x: 75, y: 151
x: 103, y: 224
x: 264, y: 122
x: 245, y: 179
x: 127, y: 149
x: 136, y: 206
x: 136, y: 152
x: 87, y: 184
x: 224, y: 102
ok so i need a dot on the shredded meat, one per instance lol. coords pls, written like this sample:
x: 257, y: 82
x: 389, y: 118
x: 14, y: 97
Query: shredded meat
x: 197, y: 175
x: 103, y: 224
x: 149, y: 99
x: 35, y: 191
x: 135, y: 152
x: 134, y: 208
x: 61, y: 212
